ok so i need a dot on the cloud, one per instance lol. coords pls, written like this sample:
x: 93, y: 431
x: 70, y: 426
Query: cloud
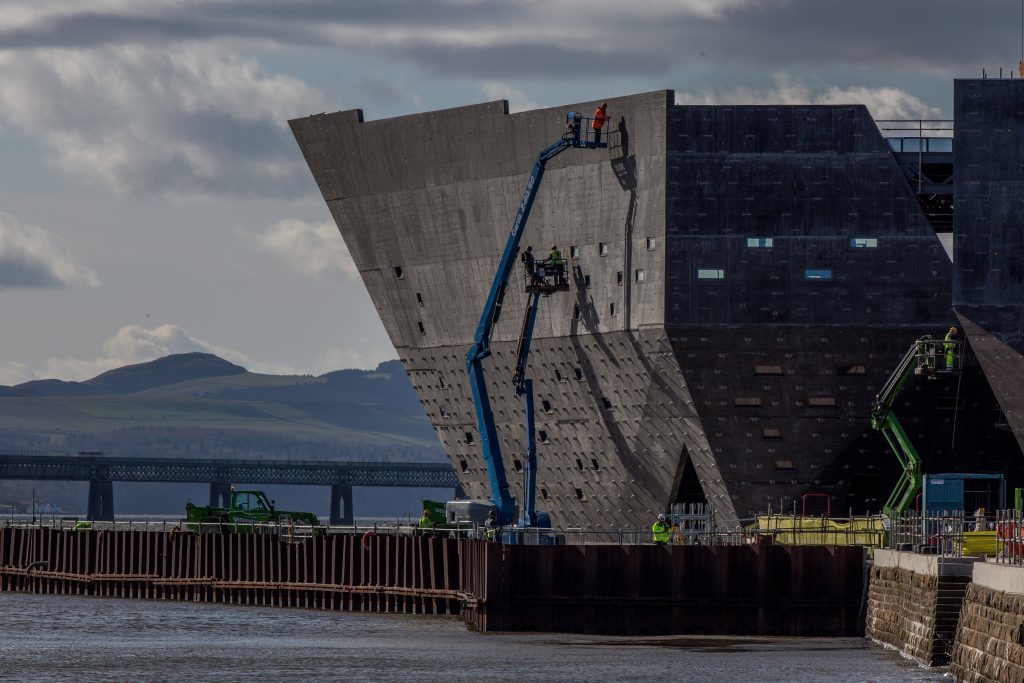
x: 195, y: 121
x: 883, y: 103
x: 33, y: 258
x: 517, y: 99
x: 134, y: 344
x: 312, y: 248
x: 570, y: 38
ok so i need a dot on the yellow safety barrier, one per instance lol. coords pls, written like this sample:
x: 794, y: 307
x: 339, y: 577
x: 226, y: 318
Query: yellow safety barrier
x: 788, y: 530
x: 980, y: 543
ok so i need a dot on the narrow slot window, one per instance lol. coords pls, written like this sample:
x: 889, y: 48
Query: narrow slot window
x: 783, y: 464
x: 419, y: 298
x: 864, y: 242
x: 543, y: 436
x: 464, y: 465
x: 760, y: 242
x: 559, y: 376
x: 546, y: 405
x: 576, y: 312
x: 611, y: 308
x: 602, y: 248
x: 579, y: 493
x: 818, y: 274
x: 398, y: 273
x: 544, y: 494
x: 579, y: 464
x: 517, y: 464
x: 593, y: 461
x: 579, y: 373
x: 746, y: 402
x: 639, y: 275
x: 586, y: 280
x: 423, y: 330
x: 710, y: 274
x: 469, y: 438
x: 607, y: 404
x: 767, y: 369
x: 618, y: 278
x: 574, y: 252
x: 651, y: 244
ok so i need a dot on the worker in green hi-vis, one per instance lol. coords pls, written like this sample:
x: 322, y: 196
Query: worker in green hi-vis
x: 556, y: 264
x: 425, y: 521
x: 949, y: 347
x: 661, y: 531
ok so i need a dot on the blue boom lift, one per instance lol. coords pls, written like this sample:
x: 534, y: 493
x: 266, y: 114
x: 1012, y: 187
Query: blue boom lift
x: 541, y: 281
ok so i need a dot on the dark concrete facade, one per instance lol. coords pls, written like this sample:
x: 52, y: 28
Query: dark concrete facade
x: 989, y: 233
x: 696, y: 355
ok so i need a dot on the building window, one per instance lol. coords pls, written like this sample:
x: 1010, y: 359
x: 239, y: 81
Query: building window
x: 818, y: 274
x: 760, y: 242
x: 767, y: 369
x: 546, y: 405
x: 559, y: 376
x: 419, y: 298
x: 398, y: 273
x: 543, y: 436
x: 464, y: 465
x: 710, y: 274
x: 611, y: 308
x: 596, y: 465
x: 783, y: 464
x: 743, y: 402
x: 771, y: 433
x: 579, y: 464
x: 864, y: 242
x: 517, y: 464
x: 579, y: 493
x: 586, y: 281
x: 618, y: 278
x: 639, y: 275
x: 574, y: 252
x: 579, y: 373
x: 651, y: 244
x: 602, y: 248
x: 576, y: 312
x: 422, y: 329
x: 544, y: 493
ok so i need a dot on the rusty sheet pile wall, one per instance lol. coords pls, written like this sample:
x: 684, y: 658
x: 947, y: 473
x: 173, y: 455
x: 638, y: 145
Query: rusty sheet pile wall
x: 378, y: 573
x: 611, y: 589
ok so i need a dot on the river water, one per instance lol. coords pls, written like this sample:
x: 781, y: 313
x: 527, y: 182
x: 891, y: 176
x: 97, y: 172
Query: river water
x: 64, y: 638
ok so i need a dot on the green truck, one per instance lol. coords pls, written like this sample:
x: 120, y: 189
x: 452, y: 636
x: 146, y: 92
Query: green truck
x: 247, y: 508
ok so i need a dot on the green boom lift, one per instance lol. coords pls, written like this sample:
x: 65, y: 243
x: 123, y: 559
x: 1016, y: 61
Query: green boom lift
x: 926, y: 356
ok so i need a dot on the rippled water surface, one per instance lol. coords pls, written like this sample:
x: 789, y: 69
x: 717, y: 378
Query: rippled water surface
x: 75, y: 638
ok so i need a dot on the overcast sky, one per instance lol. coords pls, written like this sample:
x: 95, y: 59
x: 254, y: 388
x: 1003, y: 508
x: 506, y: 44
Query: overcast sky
x: 153, y: 201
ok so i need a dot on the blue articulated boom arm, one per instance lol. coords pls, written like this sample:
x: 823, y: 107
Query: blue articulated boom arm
x: 500, y: 496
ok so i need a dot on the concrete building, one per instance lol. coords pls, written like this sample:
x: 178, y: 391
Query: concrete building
x: 744, y: 280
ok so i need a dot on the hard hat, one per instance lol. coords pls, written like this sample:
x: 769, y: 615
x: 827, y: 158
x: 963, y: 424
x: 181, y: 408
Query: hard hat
x: 604, y: 105
x: 426, y: 513
x: 661, y: 518
x: 553, y: 247
x: 529, y: 247
x: 953, y: 329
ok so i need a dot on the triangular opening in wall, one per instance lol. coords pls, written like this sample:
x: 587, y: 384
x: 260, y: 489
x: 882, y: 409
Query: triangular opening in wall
x: 686, y: 488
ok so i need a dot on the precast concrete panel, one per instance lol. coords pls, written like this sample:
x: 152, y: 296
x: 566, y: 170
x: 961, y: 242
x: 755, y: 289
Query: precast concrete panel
x: 988, y: 224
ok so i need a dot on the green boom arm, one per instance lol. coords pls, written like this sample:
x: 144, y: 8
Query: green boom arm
x: 885, y: 421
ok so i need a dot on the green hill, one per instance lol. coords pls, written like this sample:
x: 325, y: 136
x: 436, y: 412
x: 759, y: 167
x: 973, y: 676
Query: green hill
x: 200, y: 405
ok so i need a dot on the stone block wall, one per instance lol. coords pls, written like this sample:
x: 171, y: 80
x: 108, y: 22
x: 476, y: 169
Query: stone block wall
x: 914, y: 613
x: 988, y: 646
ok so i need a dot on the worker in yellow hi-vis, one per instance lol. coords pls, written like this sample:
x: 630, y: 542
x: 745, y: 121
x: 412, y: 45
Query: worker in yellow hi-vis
x: 660, y: 531
x: 949, y: 347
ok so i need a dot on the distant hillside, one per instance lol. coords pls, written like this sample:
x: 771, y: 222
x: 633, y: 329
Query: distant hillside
x: 161, y: 372
x: 197, y: 404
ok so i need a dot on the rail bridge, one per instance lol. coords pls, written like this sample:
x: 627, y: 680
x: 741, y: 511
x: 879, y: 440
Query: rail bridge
x: 101, y: 471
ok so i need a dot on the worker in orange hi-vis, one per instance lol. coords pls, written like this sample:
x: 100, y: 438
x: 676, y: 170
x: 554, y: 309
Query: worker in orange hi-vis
x: 600, y: 116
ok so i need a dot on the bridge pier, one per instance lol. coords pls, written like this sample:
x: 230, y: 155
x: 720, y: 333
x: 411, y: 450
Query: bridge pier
x: 341, y: 495
x: 220, y: 495
x: 101, y: 501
